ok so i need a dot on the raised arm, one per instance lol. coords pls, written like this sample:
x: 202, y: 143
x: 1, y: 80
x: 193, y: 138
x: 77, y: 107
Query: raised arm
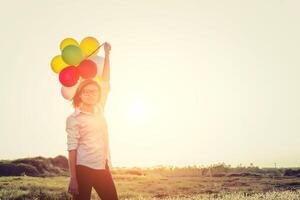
x: 106, y: 67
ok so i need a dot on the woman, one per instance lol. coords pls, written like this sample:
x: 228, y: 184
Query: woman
x: 87, y: 139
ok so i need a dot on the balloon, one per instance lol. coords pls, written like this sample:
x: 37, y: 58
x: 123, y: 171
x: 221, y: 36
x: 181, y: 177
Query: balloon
x: 57, y: 64
x: 66, y: 42
x: 69, y: 92
x: 72, y: 55
x: 100, y: 63
x: 69, y: 76
x: 88, y: 45
x: 87, y: 69
x: 98, y: 79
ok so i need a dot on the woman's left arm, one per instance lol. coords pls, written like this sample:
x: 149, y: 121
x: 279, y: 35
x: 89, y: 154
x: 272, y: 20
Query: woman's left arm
x: 106, y: 67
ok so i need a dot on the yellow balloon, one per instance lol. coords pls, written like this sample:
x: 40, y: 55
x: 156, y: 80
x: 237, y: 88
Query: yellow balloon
x: 66, y: 42
x: 88, y: 45
x: 57, y: 64
x: 98, y: 79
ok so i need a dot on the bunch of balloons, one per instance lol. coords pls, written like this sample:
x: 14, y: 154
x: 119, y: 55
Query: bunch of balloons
x: 77, y: 62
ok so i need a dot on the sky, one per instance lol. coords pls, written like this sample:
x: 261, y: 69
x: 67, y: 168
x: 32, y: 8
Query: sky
x: 192, y: 82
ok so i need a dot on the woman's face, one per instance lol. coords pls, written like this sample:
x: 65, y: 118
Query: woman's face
x: 90, y: 94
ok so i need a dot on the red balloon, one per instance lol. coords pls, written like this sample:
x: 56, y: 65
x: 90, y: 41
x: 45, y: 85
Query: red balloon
x: 87, y: 69
x: 69, y: 76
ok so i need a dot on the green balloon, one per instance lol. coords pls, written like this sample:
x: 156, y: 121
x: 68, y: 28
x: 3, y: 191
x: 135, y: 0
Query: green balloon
x: 72, y: 55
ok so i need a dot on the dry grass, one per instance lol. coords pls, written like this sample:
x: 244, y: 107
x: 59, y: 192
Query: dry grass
x: 150, y: 185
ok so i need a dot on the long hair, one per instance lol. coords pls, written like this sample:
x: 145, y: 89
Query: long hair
x: 76, y: 101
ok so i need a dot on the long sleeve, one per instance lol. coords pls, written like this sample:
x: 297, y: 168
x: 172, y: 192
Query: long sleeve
x: 72, y: 129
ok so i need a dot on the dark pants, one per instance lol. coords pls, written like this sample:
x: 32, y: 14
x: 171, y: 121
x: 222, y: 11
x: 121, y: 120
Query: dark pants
x: 100, y: 179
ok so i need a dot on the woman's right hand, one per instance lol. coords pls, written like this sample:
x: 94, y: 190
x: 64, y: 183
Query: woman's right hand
x: 107, y: 48
x: 73, y: 187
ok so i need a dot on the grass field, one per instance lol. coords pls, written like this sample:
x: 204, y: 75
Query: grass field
x: 48, y: 178
x: 149, y: 185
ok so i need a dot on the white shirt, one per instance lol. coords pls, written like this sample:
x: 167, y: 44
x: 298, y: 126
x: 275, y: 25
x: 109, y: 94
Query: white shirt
x: 88, y: 133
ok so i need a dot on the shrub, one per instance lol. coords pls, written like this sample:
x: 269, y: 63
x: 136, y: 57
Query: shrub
x: 60, y: 161
x: 8, y: 169
x: 40, y: 164
x: 291, y: 172
x: 26, y: 169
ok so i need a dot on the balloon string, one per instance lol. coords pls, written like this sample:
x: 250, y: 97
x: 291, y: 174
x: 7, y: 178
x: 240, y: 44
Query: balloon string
x: 95, y: 50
